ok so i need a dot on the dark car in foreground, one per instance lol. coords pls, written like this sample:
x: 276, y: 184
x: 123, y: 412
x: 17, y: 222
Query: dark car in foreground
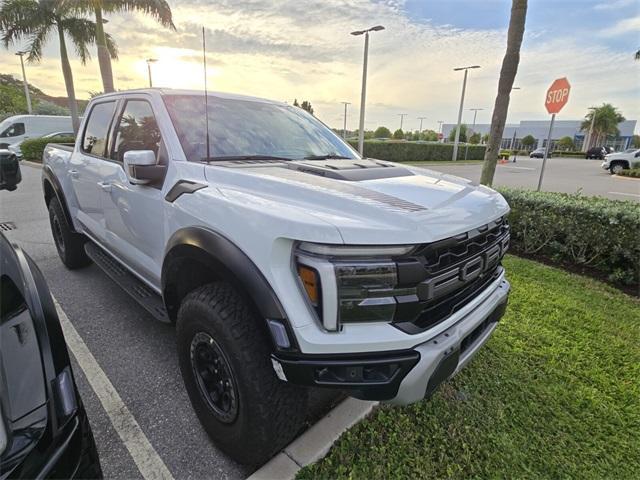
x: 598, y: 152
x: 44, y: 430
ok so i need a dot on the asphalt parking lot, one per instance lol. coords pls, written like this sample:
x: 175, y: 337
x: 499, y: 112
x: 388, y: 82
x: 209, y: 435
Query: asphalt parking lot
x: 562, y: 174
x: 136, y: 353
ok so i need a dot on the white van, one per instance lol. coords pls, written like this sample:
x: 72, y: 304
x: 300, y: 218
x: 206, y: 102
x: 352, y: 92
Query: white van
x: 20, y: 127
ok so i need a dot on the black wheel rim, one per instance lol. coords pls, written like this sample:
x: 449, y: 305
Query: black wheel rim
x: 57, y: 233
x: 213, y: 376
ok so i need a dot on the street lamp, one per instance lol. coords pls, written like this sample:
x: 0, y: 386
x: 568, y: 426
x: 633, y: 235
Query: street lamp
x: 475, y: 114
x: 402, y: 115
x: 515, y: 133
x: 464, y: 86
x: 344, y: 129
x: 363, y: 95
x: 149, y: 62
x: 24, y: 81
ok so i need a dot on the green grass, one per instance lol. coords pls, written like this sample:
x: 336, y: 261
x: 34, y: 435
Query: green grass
x: 554, y: 394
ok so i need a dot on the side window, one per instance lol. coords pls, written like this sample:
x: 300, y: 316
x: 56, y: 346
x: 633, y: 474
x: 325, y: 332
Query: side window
x: 94, y: 139
x: 137, y: 130
x: 13, y: 131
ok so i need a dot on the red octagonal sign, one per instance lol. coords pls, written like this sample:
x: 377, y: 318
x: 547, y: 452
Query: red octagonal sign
x: 557, y: 95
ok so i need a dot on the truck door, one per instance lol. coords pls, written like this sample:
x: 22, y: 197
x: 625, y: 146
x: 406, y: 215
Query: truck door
x: 134, y: 213
x: 87, y: 166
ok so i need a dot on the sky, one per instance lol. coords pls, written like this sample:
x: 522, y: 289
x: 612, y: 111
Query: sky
x: 287, y: 49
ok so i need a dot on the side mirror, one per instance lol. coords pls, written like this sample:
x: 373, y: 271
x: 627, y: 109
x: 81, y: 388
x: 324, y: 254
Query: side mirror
x: 10, y: 175
x: 141, y: 168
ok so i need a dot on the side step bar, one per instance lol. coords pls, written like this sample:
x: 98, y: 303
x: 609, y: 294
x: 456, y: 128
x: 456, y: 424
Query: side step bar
x: 150, y: 300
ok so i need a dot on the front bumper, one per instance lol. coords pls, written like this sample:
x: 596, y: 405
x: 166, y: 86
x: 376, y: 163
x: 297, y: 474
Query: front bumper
x: 400, y: 377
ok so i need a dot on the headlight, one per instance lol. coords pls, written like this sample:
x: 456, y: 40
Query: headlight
x: 350, y: 283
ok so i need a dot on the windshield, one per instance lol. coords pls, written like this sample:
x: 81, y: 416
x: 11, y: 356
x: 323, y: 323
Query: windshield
x: 241, y: 128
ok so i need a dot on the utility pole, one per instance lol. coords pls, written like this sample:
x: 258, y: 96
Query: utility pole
x: 363, y: 94
x: 24, y: 81
x: 421, y: 119
x: 454, y: 157
x: 344, y: 128
x: 402, y: 115
x: 149, y: 62
x: 475, y: 114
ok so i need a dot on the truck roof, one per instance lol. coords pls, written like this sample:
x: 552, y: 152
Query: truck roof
x: 171, y: 91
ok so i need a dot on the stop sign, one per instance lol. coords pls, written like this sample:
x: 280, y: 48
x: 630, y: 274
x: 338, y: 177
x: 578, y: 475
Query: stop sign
x: 557, y: 95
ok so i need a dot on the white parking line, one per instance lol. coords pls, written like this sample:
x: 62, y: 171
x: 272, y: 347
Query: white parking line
x: 623, y: 193
x: 144, y: 455
x: 519, y: 168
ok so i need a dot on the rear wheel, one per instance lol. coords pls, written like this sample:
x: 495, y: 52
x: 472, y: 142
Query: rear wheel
x: 224, y: 356
x: 70, y: 245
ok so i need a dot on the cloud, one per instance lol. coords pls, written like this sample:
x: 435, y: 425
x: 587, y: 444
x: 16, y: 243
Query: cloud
x: 613, y: 5
x: 628, y: 25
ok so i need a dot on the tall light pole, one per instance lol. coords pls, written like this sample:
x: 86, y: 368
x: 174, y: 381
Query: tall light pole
x: 475, y: 114
x: 24, y: 81
x: 421, y: 119
x: 515, y: 133
x: 363, y: 95
x: 402, y: 115
x: 149, y: 62
x: 344, y: 128
x: 593, y: 121
x: 464, y: 86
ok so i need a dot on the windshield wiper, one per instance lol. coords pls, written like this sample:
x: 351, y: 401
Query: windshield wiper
x: 329, y: 156
x: 243, y: 157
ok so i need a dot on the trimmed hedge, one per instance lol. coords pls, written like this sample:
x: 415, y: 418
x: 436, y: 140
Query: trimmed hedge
x: 592, y: 232
x: 413, y: 152
x: 33, y: 148
x: 634, y: 172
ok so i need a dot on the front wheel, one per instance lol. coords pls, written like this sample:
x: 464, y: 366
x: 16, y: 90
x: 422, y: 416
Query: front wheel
x: 224, y: 356
x: 616, y: 168
x: 70, y: 245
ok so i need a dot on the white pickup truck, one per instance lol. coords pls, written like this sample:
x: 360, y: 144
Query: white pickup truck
x: 284, y: 258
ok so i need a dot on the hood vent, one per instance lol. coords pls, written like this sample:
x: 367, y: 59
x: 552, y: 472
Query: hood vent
x: 350, y: 170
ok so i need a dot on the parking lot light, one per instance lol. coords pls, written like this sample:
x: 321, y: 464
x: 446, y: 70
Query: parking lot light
x: 364, y: 82
x: 464, y: 86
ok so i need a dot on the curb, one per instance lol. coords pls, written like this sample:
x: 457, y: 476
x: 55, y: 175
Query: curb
x: 624, y: 177
x: 31, y: 164
x: 315, y: 443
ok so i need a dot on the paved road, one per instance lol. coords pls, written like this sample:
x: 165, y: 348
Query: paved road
x: 562, y: 174
x: 136, y: 352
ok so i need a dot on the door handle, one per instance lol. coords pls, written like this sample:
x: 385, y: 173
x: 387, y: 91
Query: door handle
x: 74, y: 173
x: 105, y: 186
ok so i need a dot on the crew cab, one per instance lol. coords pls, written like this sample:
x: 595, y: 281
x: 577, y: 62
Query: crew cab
x: 616, y: 162
x: 285, y: 259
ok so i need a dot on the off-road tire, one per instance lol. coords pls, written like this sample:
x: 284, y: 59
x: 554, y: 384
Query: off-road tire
x: 269, y: 412
x: 616, y: 168
x: 70, y: 245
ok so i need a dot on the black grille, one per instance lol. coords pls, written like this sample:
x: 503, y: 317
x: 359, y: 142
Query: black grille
x: 448, y: 275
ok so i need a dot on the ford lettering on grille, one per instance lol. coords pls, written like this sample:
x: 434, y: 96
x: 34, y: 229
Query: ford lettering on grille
x: 460, y: 275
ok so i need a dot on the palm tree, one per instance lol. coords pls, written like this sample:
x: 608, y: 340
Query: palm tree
x: 605, y: 123
x: 157, y: 9
x: 505, y: 84
x: 35, y: 21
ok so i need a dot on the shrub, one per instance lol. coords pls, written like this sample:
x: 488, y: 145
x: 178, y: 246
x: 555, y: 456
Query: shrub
x: 33, y: 148
x: 634, y: 172
x: 412, y: 152
x: 591, y: 232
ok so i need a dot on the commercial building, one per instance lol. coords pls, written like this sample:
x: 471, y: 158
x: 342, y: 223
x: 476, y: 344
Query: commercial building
x: 539, y: 129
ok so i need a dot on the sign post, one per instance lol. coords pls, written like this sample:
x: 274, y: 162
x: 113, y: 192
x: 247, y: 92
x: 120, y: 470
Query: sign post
x: 557, y: 97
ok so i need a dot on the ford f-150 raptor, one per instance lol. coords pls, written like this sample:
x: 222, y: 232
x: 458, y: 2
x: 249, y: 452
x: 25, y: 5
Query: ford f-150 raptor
x: 285, y: 259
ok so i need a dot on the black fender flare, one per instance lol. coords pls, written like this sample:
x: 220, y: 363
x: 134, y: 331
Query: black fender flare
x: 221, y: 255
x: 49, y: 177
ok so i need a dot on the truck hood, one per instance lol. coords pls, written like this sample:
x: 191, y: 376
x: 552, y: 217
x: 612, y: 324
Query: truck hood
x: 368, y: 201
